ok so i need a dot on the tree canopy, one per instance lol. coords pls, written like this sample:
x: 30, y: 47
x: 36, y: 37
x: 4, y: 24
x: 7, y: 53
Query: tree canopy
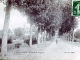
x: 45, y: 13
x: 18, y: 32
x: 69, y: 21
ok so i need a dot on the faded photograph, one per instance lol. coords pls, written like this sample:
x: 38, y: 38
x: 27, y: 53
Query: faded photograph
x: 39, y: 30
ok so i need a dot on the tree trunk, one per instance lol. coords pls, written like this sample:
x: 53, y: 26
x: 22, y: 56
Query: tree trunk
x: 30, y: 43
x: 38, y: 38
x: 41, y: 37
x: 48, y: 36
x: 5, y: 31
x: 68, y: 36
x: 73, y: 36
x: 45, y: 35
x: 38, y: 41
x: 51, y: 34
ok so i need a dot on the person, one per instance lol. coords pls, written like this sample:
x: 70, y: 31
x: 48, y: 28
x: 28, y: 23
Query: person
x: 56, y: 41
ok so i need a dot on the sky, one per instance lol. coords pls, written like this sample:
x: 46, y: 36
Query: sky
x: 1, y: 15
x: 16, y: 19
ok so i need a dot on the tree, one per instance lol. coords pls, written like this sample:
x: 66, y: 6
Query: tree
x: 41, y: 20
x: 10, y: 36
x: 56, y: 19
x: 38, y: 8
x: 31, y: 8
x: 69, y: 22
x: 53, y: 17
x: 5, y: 28
x: 19, y: 33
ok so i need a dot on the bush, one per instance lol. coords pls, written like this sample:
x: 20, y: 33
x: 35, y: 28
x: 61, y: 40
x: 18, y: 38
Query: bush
x: 17, y: 45
x: 9, y: 41
x: 34, y: 41
x: 26, y: 41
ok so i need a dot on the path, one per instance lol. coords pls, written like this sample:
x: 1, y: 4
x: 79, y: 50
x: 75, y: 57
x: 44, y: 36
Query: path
x: 62, y: 51
x: 49, y: 51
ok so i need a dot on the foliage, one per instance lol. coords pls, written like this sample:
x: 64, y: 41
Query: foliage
x: 31, y: 7
x: 10, y: 37
x: 69, y: 21
x: 34, y: 40
x: 19, y: 32
x: 45, y: 14
x: 9, y: 41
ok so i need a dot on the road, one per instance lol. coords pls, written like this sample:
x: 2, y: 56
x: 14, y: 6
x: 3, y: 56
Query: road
x: 61, y: 51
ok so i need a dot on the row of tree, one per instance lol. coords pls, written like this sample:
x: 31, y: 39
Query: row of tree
x: 49, y: 16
